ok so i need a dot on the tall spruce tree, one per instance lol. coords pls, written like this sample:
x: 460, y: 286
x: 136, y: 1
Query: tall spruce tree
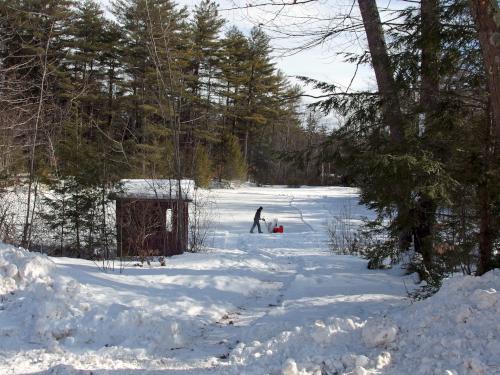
x: 437, y: 82
x: 201, y: 110
x: 153, y: 54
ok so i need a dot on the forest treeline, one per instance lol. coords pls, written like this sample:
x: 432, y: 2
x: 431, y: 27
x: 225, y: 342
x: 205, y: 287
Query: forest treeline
x: 101, y: 96
x: 425, y: 147
x: 146, y: 90
x: 154, y: 91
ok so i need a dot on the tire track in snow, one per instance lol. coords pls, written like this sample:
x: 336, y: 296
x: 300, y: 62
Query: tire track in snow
x: 277, y: 271
x: 318, y: 243
x: 237, y: 324
x: 301, y: 215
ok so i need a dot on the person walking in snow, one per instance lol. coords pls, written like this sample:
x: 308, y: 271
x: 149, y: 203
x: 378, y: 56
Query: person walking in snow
x: 256, y: 220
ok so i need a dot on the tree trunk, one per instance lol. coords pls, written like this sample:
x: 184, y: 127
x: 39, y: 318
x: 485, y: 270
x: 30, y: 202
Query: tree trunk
x: 111, y: 73
x: 30, y: 228
x: 386, y: 84
x: 63, y: 221
x: 77, y: 232
x: 383, y: 69
x: 104, y: 223
x: 425, y: 216
x: 246, y: 145
x: 430, y: 42
x: 486, y: 15
x: 38, y: 120
x: 486, y: 236
x: 425, y: 208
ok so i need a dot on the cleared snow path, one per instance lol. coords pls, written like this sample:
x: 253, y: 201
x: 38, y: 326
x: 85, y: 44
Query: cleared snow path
x: 253, y: 304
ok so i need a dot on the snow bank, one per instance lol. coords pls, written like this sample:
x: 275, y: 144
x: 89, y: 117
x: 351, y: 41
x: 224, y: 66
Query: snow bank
x: 255, y: 305
x: 58, y: 312
x: 455, y: 332
x: 20, y: 268
x: 323, y: 347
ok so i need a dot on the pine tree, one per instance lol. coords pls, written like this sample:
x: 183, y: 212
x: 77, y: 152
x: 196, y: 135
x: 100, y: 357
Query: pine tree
x: 429, y: 169
x: 232, y: 166
x: 261, y: 87
x: 155, y: 62
x: 234, y: 67
x: 200, y: 110
x: 203, y: 54
x: 203, y: 168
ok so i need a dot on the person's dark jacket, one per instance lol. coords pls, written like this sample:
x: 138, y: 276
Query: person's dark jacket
x: 257, y: 214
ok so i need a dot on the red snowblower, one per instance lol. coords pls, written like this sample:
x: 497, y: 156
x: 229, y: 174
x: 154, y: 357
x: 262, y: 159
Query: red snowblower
x: 272, y: 227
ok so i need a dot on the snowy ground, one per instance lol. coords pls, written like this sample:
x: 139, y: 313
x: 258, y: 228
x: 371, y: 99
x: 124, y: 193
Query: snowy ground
x: 254, y: 304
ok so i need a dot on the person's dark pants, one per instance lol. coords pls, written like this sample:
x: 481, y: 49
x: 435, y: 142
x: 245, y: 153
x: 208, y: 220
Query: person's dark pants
x: 256, y: 223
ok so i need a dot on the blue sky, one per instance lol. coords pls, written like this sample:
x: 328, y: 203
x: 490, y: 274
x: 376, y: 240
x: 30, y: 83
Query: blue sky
x: 321, y: 62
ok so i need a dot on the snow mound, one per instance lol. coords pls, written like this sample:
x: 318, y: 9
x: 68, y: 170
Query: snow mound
x: 20, y: 268
x: 323, y: 347
x: 290, y: 367
x: 379, y: 333
x: 58, y: 312
x: 456, y: 331
x: 66, y: 370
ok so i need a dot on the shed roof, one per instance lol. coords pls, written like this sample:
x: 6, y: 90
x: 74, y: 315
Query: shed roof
x: 156, y: 189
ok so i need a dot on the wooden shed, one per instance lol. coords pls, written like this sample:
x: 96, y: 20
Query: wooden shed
x: 152, y: 217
